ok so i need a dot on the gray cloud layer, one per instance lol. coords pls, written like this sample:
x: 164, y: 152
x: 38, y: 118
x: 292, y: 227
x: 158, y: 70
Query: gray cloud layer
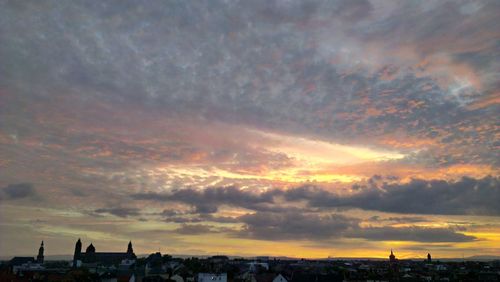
x: 467, y: 196
x: 266, y: 64
x: 98, y: 98
x: 295, y: 226
x: 299, y: 226
x: 272, y: 218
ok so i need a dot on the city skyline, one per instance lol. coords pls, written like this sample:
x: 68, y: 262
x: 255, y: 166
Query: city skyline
x: 306, y: 129
x: 79, y: 246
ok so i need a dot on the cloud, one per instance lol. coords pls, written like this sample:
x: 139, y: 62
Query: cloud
x: 312, y: 78
x: 415, y: 234
x: 162, y: 95
x: 119, y: 211
x: 303, y: 226
x: 295, y: 226
x: 19, y: 191
x: 207, y: 200
x: 467, y: 196
x: 194, y: 229
x: 403, y: 219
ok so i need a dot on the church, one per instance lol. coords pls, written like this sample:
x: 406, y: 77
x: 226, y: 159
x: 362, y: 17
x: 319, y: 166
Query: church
x: 106, y: 258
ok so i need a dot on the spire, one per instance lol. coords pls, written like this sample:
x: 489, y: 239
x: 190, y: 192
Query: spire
x: 130, y: 250
x: 40, y: 256
x: 392, y: 257
x: 78, y: 252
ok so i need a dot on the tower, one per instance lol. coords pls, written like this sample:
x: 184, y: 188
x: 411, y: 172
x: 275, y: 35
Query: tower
x: 78, y: 252
x: 40, y: 257
x: 130, y: 250
x: 90, y: 249
x: 429, y: 259
x: 392, y: 257
x: 90, y: 255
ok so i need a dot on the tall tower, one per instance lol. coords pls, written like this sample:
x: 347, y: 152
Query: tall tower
x: 130, y: 250
x: 78, y: 252
x: 429, y: 258
x: 40, y: 257
x: 90, y: 249
x: 90, y: 255
x: 392, y: 257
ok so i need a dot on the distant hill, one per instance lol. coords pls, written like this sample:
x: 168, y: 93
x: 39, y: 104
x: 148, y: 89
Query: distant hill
x: 483, y: 258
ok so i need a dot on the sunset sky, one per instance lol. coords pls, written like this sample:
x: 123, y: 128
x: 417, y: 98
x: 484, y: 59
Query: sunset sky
x: 283, y: 128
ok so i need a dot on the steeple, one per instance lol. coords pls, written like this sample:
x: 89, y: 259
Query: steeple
x: 392, y: 257
x: 78, y: 252
x: 40, y: 256
x: 130, y: 250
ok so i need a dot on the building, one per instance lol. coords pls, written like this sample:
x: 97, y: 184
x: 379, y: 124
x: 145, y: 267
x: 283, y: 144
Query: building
x: 106, y: 258
x: 211, y: 277
x: 27, y: 263
x: 392, y: 257
x: 40, y: 257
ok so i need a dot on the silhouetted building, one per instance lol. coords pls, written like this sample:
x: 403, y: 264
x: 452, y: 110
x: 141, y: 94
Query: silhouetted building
x: 429, y: 259
x: 40, y: 256
x: 91, y: 256
x: 16, y: 261
x: 19, y: 261
x: 78, y: 252
x: 392, y: 257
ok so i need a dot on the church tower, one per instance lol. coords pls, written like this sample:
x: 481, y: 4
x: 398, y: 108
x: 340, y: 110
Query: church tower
x: 39, y: 258
x: 130, y: 250
x: 392, y: 257
x: 90, y: 249
x: 90, y: 255
x: 78, y: 252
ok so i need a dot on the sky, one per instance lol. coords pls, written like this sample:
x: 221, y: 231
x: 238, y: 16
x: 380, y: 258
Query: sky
x: 306, y: 129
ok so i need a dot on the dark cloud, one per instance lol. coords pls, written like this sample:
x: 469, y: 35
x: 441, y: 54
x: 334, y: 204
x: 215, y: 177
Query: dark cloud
x: 179, y: 219
x: 467, y: 196
x: 415, y: 234
x: 207, y: 200
x: 205, y: 209
x: 192, y: 217
x: 120, y: 211
x: 295, y: 226
x: 19, y: 191
x: 403, y: 219
x: 302, y: 226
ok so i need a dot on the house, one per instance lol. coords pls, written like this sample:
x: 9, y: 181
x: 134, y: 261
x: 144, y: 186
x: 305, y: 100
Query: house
x: 280, y: 278
x: 211, y: 277
x: 177, y: 278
